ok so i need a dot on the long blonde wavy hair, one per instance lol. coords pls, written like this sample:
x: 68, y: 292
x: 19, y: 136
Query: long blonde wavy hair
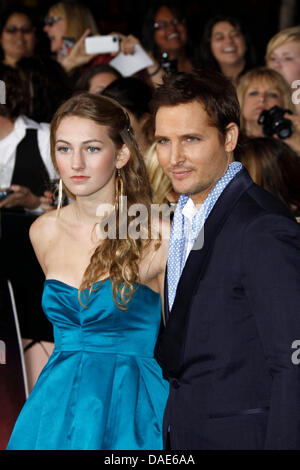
x: 159, y: 181
x: 118, y: 258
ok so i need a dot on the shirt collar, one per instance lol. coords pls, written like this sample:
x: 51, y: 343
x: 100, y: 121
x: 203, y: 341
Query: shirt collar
x: 186, y: 204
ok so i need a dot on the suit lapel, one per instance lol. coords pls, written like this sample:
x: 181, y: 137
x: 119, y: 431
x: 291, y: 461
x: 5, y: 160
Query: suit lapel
x: 170, y: 346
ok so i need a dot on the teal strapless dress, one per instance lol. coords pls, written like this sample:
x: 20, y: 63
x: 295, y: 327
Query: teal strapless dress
x: 101, y: 388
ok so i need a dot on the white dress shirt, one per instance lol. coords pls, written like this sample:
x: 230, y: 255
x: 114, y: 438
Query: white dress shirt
x: 8, y: 147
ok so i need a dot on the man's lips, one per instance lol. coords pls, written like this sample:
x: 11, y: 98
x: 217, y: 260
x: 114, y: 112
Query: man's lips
x: 180, y: 174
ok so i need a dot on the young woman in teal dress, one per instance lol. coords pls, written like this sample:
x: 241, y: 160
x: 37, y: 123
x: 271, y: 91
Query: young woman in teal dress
x: 101, y: 388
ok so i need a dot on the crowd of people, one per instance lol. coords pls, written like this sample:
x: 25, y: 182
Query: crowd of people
x: 48, y: 80
x: 75, y: 133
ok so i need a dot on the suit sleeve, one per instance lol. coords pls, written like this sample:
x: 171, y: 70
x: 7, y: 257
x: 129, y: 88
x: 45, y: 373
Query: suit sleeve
x: 271, y: 267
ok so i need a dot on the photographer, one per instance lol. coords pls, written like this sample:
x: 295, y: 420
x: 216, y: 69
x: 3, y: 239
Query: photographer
x: 259, y: 90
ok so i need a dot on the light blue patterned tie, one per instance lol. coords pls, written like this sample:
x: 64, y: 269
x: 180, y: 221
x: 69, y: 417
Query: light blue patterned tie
x: 179, y: 235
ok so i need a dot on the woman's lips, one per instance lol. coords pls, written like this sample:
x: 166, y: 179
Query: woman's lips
x: 79, y: 178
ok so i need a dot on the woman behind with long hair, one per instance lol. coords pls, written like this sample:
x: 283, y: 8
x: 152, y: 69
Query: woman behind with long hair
x: 275, y: 166
x: 226, y: 47
x: 165, y: 31
x: 104, y: 268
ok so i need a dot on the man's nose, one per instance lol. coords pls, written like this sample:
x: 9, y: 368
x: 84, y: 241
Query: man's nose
x: 177, y: 154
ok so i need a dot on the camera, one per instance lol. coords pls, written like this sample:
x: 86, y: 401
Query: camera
x: 273, y: 122
x: 67, y: 45
x: 168, y: 65
x: 102, y: 44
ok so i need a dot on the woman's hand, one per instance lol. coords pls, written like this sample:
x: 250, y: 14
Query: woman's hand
x: 77, y: 56
x: 127, y: 43
x: 21, y: 197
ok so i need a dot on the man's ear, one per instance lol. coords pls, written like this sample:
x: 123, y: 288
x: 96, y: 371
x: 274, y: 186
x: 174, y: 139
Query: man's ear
x: 232, y: 134
x: 123, y: 156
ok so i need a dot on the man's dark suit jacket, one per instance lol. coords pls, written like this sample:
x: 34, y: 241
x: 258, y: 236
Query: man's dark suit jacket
x: 227, y: 346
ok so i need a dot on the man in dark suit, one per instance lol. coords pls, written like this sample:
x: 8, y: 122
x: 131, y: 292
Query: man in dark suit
x: 232, y: 301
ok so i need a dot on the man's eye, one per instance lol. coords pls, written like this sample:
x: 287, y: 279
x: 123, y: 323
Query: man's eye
x: 192, y: 138
x: 162, y: 140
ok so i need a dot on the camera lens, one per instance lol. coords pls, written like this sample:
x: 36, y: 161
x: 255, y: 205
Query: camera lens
x: 284, y: 133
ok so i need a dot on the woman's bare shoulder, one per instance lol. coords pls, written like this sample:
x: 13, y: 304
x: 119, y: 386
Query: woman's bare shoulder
x: 43, y: 227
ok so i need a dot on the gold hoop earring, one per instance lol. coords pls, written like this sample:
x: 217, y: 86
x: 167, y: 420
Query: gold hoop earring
x: 60, y: 197
x: 119, y: 185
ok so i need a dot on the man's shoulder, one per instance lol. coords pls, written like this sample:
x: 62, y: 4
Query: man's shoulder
x: 256, y: 201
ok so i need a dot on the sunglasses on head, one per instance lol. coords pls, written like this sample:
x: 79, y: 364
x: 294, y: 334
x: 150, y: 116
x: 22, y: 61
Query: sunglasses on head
x: 50, y: 20
x: 15, y: 29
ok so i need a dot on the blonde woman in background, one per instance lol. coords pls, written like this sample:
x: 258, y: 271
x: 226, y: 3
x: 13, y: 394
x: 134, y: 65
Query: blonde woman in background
x: 161, y: 187
x: 283, y: 54
x: 72, y: 20
x: 76, y: 21
x: 260, y: 89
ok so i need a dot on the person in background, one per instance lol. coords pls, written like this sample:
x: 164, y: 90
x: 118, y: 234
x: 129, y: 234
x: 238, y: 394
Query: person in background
x: 161, y: 186
x: 165, y: 32
x: 48, y: 84
x: 283, y: 55
x: 75, y: 20
x: 261, y: 89
x: 275, y: 166
x: 226, y: 47
x: 25, y: 161
x: 72, y: 20
x: 134, y: 96
x: 17, y: 35
x: 96, y: 78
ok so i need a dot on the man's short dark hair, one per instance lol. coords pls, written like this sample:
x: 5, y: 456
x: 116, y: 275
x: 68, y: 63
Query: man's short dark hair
x: 211, y: 89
